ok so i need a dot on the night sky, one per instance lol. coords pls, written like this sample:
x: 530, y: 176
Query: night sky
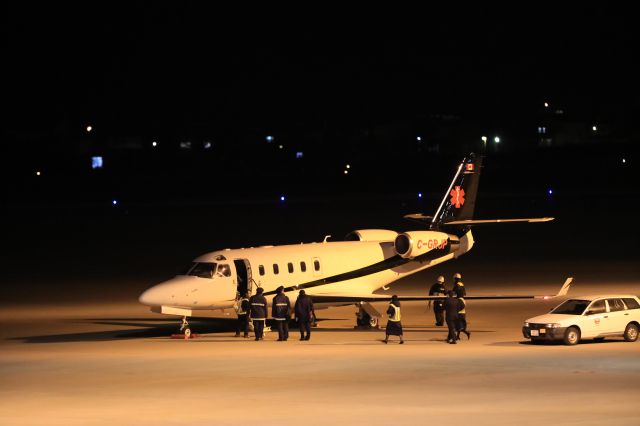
x: 145, y: 68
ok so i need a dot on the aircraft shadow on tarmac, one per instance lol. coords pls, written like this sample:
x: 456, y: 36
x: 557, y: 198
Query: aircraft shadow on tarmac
x: 146, y: 328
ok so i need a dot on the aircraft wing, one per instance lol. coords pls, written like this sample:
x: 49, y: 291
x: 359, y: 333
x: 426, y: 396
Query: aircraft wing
x: 385, y: 298
x: 486, y: 221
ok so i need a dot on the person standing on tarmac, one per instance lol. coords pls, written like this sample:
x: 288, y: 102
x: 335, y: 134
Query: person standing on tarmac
x: 304, y: 314
x: 438, y: 305
x: 258, y: 313
x: 281, y: 312
x: 451, y: 309
x: 243, y: 313
x: 462, y: 319
x: 458, y: 286
x: 394, y: 326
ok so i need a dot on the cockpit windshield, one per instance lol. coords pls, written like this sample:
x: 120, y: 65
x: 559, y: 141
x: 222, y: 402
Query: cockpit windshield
x: 199, y: 269
x: 572, y: 307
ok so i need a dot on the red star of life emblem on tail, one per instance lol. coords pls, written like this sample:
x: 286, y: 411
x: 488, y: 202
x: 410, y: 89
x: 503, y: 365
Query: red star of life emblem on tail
x: 457, y: 197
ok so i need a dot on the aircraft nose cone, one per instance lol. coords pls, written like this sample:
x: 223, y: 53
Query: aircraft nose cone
x: 150, y: 297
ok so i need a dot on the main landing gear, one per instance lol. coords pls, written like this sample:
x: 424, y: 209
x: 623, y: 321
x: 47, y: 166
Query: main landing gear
x: 367, y: 317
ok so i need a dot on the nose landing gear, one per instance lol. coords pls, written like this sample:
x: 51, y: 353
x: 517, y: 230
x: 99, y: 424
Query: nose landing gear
x: 185, y: 331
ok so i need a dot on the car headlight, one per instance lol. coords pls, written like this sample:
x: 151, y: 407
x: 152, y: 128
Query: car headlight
x: 526, y: 324
x: 552, y: 325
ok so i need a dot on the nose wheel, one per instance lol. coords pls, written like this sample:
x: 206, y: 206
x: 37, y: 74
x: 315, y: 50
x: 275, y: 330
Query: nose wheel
x: 185, y: 331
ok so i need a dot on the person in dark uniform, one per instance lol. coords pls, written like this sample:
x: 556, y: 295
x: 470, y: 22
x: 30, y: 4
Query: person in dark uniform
x: 243, y: 315
x: 458, y: 285
x: 394, y: 326
x: 462, y: 319
x: 281, y: 312
x: 438, y: 305
x: 258, y: 311
x: 304, y: 314
x: 451, y: 309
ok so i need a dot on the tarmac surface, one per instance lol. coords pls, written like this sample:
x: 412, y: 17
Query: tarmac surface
x: 113, y: 363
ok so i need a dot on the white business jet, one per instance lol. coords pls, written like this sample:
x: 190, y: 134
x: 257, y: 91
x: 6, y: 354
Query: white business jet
x: 334, y: 273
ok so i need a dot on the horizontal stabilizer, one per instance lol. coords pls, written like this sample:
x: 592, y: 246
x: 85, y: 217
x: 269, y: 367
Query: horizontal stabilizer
x: 486, y: 221
x: 418, y: 217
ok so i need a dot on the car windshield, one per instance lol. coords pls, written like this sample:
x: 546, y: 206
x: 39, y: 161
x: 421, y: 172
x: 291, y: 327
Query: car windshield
x: 199, y: 269
x: 572, y: 307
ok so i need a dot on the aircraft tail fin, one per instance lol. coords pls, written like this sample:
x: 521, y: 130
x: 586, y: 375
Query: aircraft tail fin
x: 459, y: 201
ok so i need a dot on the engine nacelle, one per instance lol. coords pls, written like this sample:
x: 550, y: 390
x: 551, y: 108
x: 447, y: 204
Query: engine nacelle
x: 416, y: 243
x: 371, y: 235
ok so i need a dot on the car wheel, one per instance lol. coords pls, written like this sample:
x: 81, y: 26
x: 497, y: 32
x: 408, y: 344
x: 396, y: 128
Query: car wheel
x: 631, y: 332
x: 571, y: 336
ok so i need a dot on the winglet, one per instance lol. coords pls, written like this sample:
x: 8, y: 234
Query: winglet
x: 565, y: 287
x: 563, y: 290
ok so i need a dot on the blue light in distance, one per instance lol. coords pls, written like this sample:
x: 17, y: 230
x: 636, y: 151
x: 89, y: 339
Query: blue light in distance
x: 114, y: 202
x: 550, y: 192
x: 282, y: 198
x: 269, y: 138
x: 96, y: 162
x: 299, y: 154
x: 419, y: 194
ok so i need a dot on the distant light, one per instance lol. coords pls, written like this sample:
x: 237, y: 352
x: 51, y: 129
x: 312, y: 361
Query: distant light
x: 594, y: 128
x: 185, y: 145
x: 299, y: 154
x: 282, y: 198
x: 546, y: 105
x: 280, y: 146
x: 38, y: 172
x: 348, y: 166
x: 114, y: 202
x: 89, y: 129
x: 346, y: 172
x: 624, y: 161
x: 484, y: 139
x: 269, y: 138
x: 418, y: 138
x: 154, y: 144
x: 207, y: 145
x: 419, y: 194
x: 496, y: 139
x: 96, y: 162
x: 550, y: 192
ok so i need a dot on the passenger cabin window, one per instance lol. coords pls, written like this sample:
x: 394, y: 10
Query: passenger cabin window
x: 615, y: 305
x: 290, y: 267
x: 316, y: 265
x: 224, y: 270
x: 597, y: 308
x: 261, y: 269
x: 303, y: 267
x: 631, y: 303
x: 202, y: 270
x: 276, y: 270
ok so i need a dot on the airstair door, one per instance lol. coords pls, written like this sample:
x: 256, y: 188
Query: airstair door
x: 245, y: 280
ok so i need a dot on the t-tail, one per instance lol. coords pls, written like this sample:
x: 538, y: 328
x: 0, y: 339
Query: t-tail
x: 455, y: 212
x: 459, y: 201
